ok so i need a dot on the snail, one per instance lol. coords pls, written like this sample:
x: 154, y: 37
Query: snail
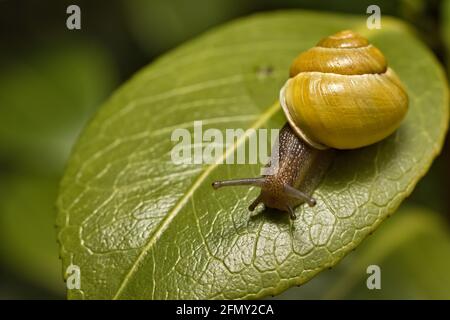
x: 340, y: 95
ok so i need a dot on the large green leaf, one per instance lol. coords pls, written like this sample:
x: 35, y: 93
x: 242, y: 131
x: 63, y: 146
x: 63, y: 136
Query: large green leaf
x: 139, y: 226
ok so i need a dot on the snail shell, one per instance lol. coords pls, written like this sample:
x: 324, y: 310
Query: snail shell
x: 342, y: 94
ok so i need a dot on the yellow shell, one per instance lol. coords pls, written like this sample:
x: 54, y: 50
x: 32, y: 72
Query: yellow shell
x: 341, y: 94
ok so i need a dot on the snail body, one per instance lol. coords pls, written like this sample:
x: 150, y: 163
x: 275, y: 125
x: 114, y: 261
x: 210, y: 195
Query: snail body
x: 340, y: 95
x: 300, y: 169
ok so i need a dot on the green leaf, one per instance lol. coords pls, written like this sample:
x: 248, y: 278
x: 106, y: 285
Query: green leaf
x: 413, y: 253
x: 139, y: 226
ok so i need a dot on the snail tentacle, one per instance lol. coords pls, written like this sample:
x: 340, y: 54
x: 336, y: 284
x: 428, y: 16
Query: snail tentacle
x: 255, y: 203
x: 297, y: 194
x: 291, y: 213
x: 256, y: 182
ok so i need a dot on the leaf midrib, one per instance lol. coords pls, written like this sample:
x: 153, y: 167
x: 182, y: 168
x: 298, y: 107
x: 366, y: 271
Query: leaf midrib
x: 165, y: 222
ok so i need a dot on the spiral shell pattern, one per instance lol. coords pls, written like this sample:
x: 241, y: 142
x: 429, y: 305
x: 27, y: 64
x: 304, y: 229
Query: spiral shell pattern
x: 342, y: 94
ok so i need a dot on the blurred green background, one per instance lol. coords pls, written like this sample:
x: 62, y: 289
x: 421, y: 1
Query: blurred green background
x: 53, y: 79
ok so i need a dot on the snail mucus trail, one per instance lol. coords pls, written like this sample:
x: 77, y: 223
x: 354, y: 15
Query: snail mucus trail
x: 340, y: 95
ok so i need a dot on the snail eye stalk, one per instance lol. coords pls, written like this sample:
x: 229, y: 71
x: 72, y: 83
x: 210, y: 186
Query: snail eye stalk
x: 255, y: 182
